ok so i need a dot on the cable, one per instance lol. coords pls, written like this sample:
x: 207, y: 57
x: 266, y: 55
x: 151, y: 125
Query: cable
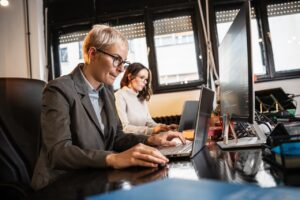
x: 262, y: 117
x: 291, y: 96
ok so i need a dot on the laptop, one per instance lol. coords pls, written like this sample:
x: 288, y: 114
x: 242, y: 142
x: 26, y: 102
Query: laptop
x: 188, y: 116
x: 191, y: 148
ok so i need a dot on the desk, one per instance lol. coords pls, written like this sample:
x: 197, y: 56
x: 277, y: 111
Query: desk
x: 241, y: 166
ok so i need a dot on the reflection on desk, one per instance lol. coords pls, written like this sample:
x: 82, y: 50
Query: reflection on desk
x: 77, y: 185
x: 241, y: 166
x: 244, y: 166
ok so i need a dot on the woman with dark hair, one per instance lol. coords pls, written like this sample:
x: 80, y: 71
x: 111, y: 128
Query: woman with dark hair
x: 131, y: 102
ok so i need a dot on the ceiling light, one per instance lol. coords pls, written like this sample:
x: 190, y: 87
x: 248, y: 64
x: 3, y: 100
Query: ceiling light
x: 4, y: 3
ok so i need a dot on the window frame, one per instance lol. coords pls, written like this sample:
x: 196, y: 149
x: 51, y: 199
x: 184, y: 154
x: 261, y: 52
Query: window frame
x: 55, y: 69
x: 277, y: 75
x: 148, y: 15
x: 157, y: 88
x: 260, y: 7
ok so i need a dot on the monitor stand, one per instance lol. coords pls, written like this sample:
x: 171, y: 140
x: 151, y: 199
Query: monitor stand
x: 244, y: 142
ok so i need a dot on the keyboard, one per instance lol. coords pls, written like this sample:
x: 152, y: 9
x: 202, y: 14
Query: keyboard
x: 178, y: 149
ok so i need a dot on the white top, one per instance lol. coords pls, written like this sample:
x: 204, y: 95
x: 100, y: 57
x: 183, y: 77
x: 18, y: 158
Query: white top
x: 134, y: 114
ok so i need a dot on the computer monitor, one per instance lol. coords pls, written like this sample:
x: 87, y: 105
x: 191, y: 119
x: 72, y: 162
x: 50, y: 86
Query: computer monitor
x: 235, y: 69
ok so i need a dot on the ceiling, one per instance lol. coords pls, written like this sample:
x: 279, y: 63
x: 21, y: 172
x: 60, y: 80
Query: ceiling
x: 61, y: 11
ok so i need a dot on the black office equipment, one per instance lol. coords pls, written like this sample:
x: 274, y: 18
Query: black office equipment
x: 267, y: 98
x: 282, y: 147
x: 275, y: 104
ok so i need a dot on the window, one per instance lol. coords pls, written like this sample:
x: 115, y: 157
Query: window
x: 224, y: 21
x: 137, y: 49
x: 175, y: 51
x: 168, y: 45
x: 80, y: 51
x: 64, y: 54
x: 72, y: 45
x: 284, y: 20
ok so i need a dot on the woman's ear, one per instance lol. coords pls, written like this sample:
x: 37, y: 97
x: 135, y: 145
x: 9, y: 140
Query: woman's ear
x: 130, y: 77
x: 92, y: 54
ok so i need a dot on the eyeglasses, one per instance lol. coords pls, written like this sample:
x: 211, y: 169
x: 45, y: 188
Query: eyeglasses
x: 117, y: 60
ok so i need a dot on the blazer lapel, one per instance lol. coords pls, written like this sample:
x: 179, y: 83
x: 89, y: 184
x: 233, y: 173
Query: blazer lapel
x: 86, y: 102
x: 81, y: 88
x: 108, y: 108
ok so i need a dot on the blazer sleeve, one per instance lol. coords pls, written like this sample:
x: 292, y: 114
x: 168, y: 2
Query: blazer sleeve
x: 57, y: 136
x: 127, y: 127
x: 125, y: 141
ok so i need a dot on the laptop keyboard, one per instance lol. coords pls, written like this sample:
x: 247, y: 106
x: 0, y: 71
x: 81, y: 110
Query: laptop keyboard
x: 179, y: 149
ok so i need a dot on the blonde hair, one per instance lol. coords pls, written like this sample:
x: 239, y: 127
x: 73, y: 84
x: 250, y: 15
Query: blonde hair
x: 102, y: 36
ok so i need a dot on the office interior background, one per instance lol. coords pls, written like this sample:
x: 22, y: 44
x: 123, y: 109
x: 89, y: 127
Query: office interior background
x: 43, y: 40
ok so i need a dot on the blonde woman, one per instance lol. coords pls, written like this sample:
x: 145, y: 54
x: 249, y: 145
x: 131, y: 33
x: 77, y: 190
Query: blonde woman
x: 80, y: 126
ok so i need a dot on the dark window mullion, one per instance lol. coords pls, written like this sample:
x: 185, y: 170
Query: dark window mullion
x: 256, y: 5
x: 213, y: 38
x: 198, y: 48
x: 55, y: 52
x: 149, y: 29
x: 266, y: 38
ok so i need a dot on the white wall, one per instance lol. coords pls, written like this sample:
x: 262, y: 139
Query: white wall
x: 37, y: 39
x: 172, y: 103
x: 13, y: 58
x: 14, y: 54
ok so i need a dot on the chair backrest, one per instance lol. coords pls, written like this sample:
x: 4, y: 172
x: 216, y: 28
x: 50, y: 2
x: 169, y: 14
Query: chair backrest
x: 20, y: 129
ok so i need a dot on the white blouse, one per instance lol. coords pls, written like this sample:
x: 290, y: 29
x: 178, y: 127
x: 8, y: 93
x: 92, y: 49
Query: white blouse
x: 134, y: 114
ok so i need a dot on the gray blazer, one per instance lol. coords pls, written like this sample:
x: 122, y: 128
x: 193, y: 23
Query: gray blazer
x: 71, y: 134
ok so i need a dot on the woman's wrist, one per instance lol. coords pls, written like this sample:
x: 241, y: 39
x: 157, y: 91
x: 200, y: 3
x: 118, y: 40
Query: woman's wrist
x: 110, y: 160
x: 149, y: 131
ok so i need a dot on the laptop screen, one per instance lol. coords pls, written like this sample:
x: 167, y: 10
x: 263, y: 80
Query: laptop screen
x: 205, y: 107
x: 188, y: 116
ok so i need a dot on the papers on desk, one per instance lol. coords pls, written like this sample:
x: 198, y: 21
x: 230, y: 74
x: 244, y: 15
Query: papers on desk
x: 180, y: 189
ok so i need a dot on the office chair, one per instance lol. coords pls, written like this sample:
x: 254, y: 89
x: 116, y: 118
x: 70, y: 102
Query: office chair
x: 20, y: 137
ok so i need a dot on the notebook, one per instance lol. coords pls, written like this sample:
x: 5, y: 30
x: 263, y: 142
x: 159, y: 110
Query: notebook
x: 191, y: 148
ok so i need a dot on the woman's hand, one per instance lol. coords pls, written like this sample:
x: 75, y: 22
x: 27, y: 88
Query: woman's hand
x: 139, y: 155
x: 173, y: 127
x: 164, y: 139
x: 160, y: 128
x: 163, y: 128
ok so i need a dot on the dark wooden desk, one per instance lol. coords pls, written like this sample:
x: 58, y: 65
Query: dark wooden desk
x: 240, y: 166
